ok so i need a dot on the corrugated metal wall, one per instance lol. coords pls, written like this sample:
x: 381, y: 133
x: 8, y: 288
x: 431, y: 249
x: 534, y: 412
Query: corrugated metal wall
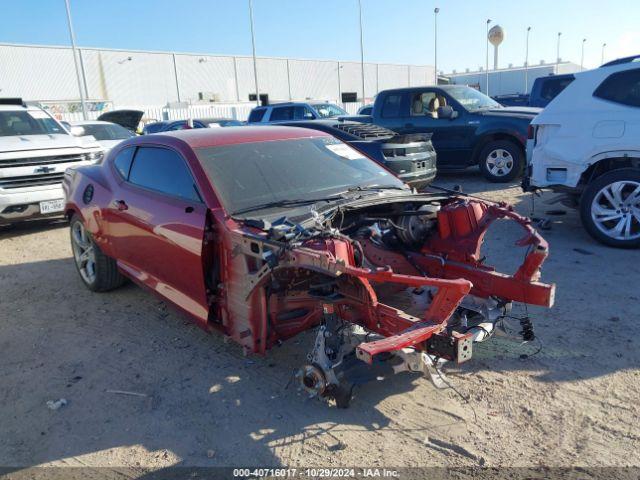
x: 510, y: 81
x: 128, y: 78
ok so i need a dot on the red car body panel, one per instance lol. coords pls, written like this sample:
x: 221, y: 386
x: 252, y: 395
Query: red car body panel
x: 216, y: 269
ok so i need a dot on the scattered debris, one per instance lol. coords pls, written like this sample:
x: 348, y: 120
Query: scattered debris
x: 555, y: 212
x: 614, y: 319
x: 211, y: 453
x: 582, y: 251
x: 56, y: 404
x: 124, y: 392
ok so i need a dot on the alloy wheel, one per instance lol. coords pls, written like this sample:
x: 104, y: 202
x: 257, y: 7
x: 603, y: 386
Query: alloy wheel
x: 83, y: 252
x: 499, y: 162
x: 615, y: 210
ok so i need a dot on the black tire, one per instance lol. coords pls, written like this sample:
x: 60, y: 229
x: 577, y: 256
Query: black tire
x: 514, y: 162
x: 106, y: 274
x: 593, y: 191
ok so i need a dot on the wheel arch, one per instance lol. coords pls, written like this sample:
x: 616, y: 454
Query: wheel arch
x: 493, y: 137
x: 607, y: 162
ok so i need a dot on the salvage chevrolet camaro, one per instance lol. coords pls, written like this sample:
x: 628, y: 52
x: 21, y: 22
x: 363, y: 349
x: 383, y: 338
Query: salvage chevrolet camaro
x: 263, y: 233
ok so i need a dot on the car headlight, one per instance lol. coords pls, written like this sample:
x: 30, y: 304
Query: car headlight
x: 95, y: 157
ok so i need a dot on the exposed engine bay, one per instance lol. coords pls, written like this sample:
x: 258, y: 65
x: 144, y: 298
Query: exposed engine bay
x: 348, y: 270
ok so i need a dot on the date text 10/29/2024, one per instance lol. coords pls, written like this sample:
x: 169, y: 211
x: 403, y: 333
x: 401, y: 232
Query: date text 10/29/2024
x: 315, y: 473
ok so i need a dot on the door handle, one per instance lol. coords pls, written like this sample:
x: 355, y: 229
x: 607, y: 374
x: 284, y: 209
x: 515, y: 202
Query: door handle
x: 120, y: 205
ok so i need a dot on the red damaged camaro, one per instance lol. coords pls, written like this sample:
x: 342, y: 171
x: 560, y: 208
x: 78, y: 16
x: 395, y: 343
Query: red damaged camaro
x: 261, y: 233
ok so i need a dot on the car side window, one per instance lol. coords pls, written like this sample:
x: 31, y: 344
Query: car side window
x: 178, y: 126
x: 551, y: 88
x: 424, y: 103
x: 164, y: 171
x: 256, y: 115
x: 621, y: 87
x: 303, y: 113
x: 122, y: 162
x: 391, y: 106
x: 282, y: 113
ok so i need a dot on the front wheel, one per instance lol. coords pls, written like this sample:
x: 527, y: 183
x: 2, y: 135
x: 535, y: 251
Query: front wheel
x: 98, y: 272
x: 501, y: 161
x: 610, y: 208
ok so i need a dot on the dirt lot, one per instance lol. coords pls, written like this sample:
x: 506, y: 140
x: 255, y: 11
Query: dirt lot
x: 203, y: 403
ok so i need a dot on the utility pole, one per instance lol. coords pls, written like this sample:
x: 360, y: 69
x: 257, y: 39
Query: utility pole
x: 582, y: 55
x: 526, y: 64
x: 361, y: 50
x: 72, y: 36
x: 253, y: 46
x: 435, y: 44
x: 487, y: 59
x: 558, y: 51
x: 604, y: 45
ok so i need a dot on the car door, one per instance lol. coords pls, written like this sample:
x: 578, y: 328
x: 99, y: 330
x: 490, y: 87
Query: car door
x: 156, y: 226
x: 452, y: 138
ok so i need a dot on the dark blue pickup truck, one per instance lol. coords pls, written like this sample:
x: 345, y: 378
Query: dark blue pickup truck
x: 544, y: 90
x: 468, y: 127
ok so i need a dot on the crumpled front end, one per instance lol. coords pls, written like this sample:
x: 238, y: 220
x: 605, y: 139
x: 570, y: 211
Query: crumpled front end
x: 348, y: 274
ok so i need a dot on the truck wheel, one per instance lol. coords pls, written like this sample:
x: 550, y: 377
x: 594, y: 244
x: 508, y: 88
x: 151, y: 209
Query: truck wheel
x: 98, y: 272
x: 610, y: 208
x: 501, y: 161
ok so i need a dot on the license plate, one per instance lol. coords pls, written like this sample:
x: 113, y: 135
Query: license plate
x: 52, y: 206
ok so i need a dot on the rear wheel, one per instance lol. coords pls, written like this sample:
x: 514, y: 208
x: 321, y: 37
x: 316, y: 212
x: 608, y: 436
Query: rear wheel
x: 610, y: 208
x: 97, y: 271
x: 501, y: 161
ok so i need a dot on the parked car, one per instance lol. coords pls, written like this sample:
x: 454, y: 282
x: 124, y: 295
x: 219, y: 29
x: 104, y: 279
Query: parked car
x: 468, y: 127
x: 155, y: 127
x: 106, y: 133
x: 586, y: 144
x: 129, y: 119
x: 544, y: 90
x: 411, y: 158
x: 262, y: 233
x: 285, y: 112
x: 35, y: 150
x: 365, y: 110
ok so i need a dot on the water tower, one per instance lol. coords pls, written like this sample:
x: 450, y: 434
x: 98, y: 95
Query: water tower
x: 496, y: 37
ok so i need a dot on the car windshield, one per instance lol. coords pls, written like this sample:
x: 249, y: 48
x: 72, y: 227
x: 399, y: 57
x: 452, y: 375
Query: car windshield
x: 102, y: 131
x: 471, y: 99
x: 250, y: 175
x: 28, y: 122
x: 328, y: 110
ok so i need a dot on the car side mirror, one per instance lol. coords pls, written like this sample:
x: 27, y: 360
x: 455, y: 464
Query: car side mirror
x: 76, y: 131
x: 447, y: 113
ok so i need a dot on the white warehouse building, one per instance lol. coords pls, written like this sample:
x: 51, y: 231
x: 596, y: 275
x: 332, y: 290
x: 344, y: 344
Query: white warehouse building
x: 511, y: 80
x: 143, y: 79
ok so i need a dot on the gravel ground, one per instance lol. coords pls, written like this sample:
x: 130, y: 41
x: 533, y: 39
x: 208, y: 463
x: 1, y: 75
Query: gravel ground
x: 199, y: 402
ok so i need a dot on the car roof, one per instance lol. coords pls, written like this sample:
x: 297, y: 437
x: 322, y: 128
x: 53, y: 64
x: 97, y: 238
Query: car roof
x: 92, y: 122
x: 214, y: 137
x: 417, y: 89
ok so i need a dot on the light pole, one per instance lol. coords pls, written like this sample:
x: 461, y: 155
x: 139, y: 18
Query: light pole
x: 435, y: 44
x: 604, y: 45
x: 72, y: 36
x: 253, y: 46
x: 526, y: 63
x: 487, y: 59
x: 361, y: 50
x: 582, y: 55
x: 558, y: 51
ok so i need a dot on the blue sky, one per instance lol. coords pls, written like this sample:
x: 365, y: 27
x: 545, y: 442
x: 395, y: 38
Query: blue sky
x: 395, y: 31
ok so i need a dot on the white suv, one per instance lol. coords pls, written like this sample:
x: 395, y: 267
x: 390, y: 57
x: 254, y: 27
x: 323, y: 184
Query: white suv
x: 586, y: 144
x: 35, y: 150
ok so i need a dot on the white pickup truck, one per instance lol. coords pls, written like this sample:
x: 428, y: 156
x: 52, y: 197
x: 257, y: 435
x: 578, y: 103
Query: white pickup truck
x: 35, y: 150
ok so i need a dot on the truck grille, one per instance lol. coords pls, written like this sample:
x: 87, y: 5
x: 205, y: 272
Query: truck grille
x: 365, y: 130
x: 25, y: 162
x: 8, y: 183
